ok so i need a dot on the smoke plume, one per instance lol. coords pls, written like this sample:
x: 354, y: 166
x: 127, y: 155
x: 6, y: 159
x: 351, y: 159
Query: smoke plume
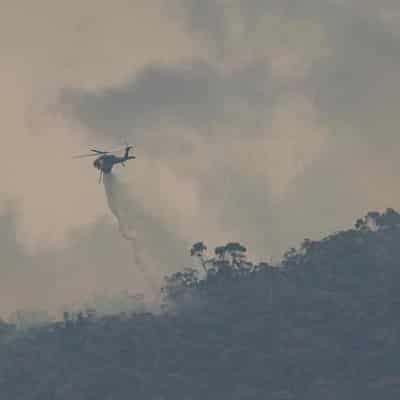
x: 121, y: 205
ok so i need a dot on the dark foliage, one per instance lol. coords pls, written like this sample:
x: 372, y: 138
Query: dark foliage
x: 323, y: 325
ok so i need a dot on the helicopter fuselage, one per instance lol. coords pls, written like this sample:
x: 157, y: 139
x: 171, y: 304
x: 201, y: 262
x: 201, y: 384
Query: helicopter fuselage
x: 106, y: 162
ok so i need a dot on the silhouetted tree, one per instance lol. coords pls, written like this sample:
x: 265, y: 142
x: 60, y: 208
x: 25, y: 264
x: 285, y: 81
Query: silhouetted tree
x: 374, y: 220
x: 198, y: 250
x: 236, y: 252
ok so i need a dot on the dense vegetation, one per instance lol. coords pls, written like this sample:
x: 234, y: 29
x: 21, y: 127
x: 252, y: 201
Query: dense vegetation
x: 324, y: 324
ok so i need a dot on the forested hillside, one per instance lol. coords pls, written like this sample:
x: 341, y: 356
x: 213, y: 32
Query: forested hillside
x: 323, y: 324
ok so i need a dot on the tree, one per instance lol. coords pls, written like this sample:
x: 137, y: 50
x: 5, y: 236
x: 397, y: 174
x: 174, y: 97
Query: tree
x: 236, y: 252
x: 198, y: 250
x: 390, y: 218
x: 375, y: 220
x: 220, y: 252
x: 178, y: 284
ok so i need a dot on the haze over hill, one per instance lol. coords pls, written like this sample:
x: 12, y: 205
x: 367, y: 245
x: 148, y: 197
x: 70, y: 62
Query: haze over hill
x: 324, y: 324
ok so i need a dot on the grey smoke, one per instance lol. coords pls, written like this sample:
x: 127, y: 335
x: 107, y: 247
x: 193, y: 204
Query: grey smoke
x: 92, y: 268
x: 176, y: 112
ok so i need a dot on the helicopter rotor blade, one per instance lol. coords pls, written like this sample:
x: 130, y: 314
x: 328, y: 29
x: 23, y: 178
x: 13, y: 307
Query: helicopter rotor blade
x: 99, y: 151
x: 96, y: 153
x: 120, y: 148
x: 86, y: 155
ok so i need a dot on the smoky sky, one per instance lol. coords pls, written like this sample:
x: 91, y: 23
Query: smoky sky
x: 260, y: 121
x: 95, y: 261
x: 360, y: 72
x: 226, y: 104
x: 194, y: 95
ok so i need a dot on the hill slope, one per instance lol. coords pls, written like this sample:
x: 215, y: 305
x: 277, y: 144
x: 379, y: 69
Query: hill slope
x: 325, y: 324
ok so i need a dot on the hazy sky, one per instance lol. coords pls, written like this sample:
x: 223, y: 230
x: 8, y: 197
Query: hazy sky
x: 263, y: 121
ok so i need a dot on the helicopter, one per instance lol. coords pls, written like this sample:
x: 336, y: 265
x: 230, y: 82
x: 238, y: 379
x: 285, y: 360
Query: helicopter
x: 105, y: 160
